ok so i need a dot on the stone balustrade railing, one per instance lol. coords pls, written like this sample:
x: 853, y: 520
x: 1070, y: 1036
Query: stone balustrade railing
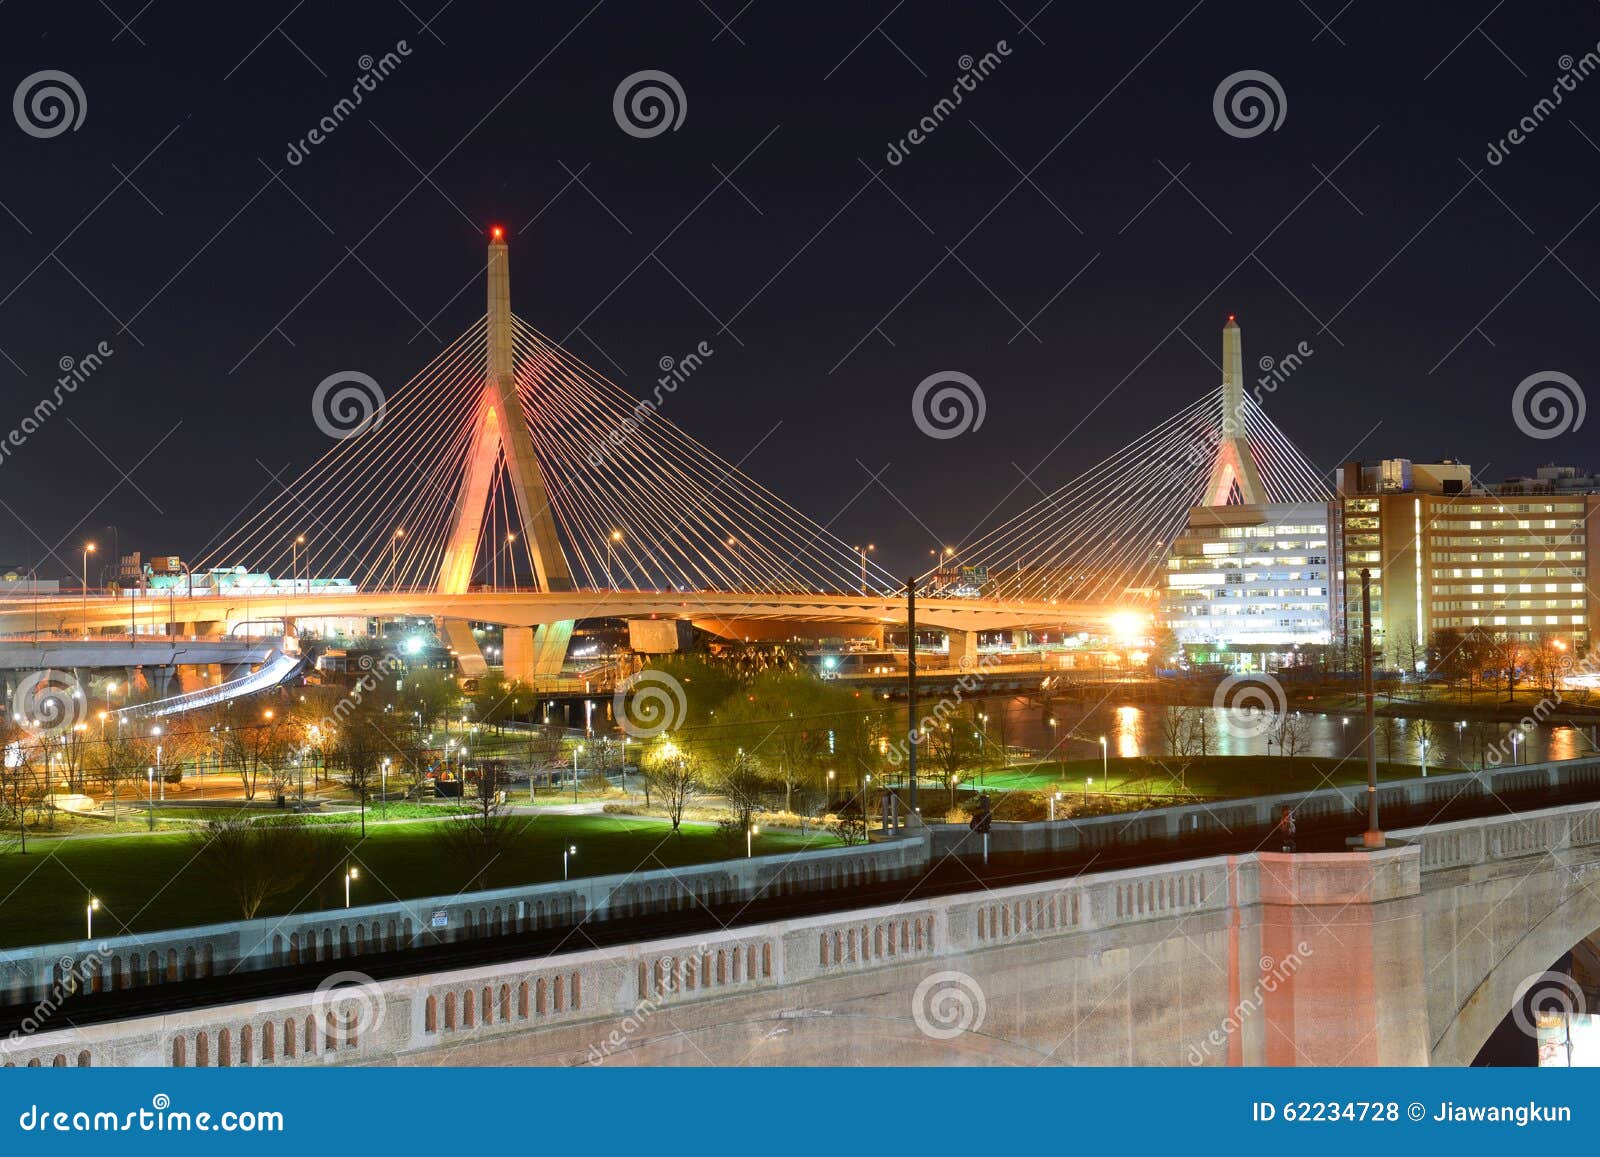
x: 50, y: 971
x: 1260, y: 811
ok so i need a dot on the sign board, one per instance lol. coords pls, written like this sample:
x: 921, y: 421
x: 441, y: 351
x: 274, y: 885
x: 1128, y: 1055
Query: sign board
x: 439, y: 919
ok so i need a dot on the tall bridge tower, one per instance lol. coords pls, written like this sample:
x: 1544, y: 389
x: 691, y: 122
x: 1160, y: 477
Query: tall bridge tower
x: 502, y: 433
x: 1234, y: 470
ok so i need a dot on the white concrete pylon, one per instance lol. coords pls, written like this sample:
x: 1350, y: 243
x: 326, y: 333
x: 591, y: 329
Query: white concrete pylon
x: 1233, y: 467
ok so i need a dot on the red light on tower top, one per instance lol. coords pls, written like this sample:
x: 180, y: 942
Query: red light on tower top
x: 496, y: 233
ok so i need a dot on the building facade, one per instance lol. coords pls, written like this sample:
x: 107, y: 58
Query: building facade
x: 1514, y: 564
x: 1250, y: 585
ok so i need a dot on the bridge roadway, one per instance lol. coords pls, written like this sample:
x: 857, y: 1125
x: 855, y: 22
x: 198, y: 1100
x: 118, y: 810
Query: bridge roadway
x: 1363, y: 908
x: 539, y: 608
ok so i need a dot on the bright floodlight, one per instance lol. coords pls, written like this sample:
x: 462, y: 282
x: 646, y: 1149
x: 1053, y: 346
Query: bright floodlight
x: 1127, y: 624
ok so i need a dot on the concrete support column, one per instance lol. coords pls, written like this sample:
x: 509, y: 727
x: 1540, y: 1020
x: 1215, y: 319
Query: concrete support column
x: 963, y: 648
x: 469, y: 657
x: 1019, y: 640
x: 534, y: 654
x: 1326, y: 948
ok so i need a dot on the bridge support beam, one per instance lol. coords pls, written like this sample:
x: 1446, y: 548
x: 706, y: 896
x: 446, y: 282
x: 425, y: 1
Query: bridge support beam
x: 963, y: 646
x: 469, y: 656
x: 534, y: 654
x: 1019, y: 640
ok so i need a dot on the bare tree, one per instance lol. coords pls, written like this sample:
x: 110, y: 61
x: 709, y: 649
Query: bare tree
x: 1294, y: 733
x: 257, y: 861
x: 676, y: 778
x: 479, y: 838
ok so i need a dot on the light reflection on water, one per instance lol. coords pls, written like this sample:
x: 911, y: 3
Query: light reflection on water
x: 1134, y: 730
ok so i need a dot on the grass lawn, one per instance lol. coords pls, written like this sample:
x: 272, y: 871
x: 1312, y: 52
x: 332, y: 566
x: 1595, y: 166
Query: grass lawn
x: 1236, y: 776
x: 153, y: 882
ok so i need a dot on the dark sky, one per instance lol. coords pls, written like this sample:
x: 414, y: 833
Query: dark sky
x: 1426, y: 294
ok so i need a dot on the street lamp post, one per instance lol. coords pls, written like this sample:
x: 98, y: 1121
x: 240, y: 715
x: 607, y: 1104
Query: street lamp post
x: 566, y: 854
x: 88, y: 549
x: 750, y: 834
x: 1423, y: 744
x: 611, y: 557
x: 394, y: 545
x: 350, y: 874
x: 1105, y: 761
x: 294, y: 563
x: 156, y: 731
x: 383, y: 785
x: 577, y: 750
x: 1088, y: 782
x: 863, y: 551
x: 88, y: 915
x: 149, y: 796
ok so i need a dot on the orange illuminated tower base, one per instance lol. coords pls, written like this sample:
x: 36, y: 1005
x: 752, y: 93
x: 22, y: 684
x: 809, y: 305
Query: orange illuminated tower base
x: 502, y: 430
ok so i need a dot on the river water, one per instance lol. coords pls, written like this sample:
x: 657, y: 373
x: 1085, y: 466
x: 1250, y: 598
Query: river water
x: 1133, y: 731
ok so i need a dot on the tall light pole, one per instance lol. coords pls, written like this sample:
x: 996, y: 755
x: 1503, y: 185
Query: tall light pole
x: 88, y: 915
x: 349, y: 874
x: 863, y: 551
x: 577, y: 750
x: 88, y: 549
x: 611, y: 556
x: 294, y: 563
x: 1105, y: 761
x: 750, y: 834
x: 394, y: 546
x: 156, y: 732
x: 383, y: 785
x: 566, y: 854
x: 150, y: 796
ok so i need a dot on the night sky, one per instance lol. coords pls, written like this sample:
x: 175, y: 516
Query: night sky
x: 828, y: 281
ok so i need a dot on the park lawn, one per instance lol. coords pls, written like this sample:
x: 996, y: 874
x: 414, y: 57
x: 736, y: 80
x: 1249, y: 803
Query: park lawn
x: 1224, y: 776
x: 146, y: 883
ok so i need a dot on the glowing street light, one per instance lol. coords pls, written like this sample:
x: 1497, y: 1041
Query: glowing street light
x: 88, y: 549
x: 350, y: 874
x: 1105, y: 760
x: 750, y: 835
x: 566, y: 855
x: 89, y: 910
x: 577, y: 750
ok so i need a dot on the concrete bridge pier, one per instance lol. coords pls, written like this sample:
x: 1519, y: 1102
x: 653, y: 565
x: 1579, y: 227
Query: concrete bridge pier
x: 1019, y: 640
x: 531, y: 654
x: 963, y: 647
x: 1326, y: 960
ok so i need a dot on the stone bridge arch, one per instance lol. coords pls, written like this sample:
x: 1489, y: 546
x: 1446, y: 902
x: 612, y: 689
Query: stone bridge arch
x: 1532, y: 950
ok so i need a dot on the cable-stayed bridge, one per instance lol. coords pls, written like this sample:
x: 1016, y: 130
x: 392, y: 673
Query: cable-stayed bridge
x: 510, y: 483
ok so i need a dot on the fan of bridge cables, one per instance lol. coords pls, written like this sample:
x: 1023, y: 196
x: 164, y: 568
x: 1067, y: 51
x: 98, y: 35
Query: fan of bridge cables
x: 638, y: 503
x: 1105, y: 535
